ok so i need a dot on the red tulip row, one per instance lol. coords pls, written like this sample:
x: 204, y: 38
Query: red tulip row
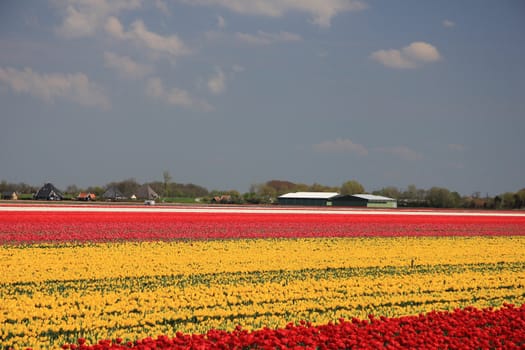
x: 26, y: 227
x: 468, y: 328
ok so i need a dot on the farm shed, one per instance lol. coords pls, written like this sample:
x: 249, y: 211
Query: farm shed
x: 364, y: 200
x: 307, y: 198
x: 336, y: 199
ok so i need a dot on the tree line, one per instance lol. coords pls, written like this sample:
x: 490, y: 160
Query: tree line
x: 267, y: 193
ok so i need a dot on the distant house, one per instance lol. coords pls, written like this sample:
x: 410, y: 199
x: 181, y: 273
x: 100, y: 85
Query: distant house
x: 11, y: 195
x: 113, y: 194
x: 49, y: 192
x: 146, y: 192
x: 83, y: 196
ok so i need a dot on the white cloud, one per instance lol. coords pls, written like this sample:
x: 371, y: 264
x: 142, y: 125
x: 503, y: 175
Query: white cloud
x: 341, y: 146
x: 84, y: 17
x: 411, y: 56
x: 392, y: 58
x: 401, y: 152
x: 217, y: 82
x: 221, y: 22
x: 421, y: 52
x: 448, y: 24
x: 175, y: 96
x: 141, y: 36
x: 114, y: 28
x: 264, y: 38
x: 126, y: 67
x: 48, y: 87
x: 321, y: 12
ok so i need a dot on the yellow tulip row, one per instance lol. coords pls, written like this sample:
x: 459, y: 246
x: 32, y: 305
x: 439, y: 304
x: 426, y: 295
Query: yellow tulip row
x: 55, y: 294
x: 135, y: 259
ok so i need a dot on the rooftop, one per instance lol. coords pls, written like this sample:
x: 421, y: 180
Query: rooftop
x: 329, y: 195
x: 373, y: 197
x: 318, y: 195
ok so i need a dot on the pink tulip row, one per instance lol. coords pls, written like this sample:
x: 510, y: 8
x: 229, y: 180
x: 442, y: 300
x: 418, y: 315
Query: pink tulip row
x: 42, y: 226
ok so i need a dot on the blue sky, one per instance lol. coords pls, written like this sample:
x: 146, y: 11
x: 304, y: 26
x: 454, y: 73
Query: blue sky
x: 229, y: 93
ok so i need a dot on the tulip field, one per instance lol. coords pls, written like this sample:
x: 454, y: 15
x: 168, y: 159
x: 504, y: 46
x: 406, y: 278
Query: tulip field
x: 118, y: 277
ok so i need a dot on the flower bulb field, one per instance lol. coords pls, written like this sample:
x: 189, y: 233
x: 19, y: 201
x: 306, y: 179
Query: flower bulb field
x: 196, y: 277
